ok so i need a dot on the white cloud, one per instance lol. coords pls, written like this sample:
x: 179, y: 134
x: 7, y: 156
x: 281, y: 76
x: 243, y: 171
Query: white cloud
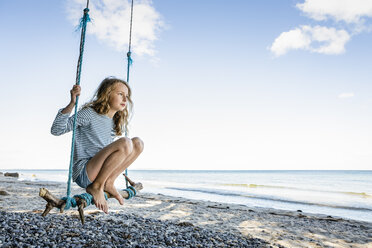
x: 353, y: 15
x: 349, y: 11
x: 346, y: 95
x: 111, y: 19
x: 293, y: 39
x: 315, y: 39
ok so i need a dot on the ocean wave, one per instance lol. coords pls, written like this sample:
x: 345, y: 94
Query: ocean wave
x: 252, y: 185
x: 229, y: 193
x: 243, y: 185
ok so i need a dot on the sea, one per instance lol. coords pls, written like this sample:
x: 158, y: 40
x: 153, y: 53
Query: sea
x: 337, y: 193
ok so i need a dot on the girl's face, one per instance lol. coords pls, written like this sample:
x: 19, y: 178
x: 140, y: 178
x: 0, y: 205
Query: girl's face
x: 118, y: 97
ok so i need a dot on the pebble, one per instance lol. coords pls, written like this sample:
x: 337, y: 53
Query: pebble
x: 3, y: 192
x: 121, y: 230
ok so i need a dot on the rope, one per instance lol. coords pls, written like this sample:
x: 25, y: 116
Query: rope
x: 132, y: 192
x: 85, y: 196
x: 130, y: 62
x: 129, y: 53
x: 70, y: 201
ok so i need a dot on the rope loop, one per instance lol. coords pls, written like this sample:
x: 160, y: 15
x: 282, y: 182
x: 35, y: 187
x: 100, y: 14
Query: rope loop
x: 131, y: 192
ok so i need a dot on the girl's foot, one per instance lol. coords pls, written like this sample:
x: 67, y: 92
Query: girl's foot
x: 98, y: 197
x: 110, y: 188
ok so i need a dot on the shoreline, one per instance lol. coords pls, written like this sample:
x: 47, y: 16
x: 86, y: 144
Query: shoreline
x: 274, y: 201
x: 269, y: 227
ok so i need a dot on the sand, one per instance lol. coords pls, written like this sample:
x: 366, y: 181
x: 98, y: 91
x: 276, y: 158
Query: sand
x: 277, y: 227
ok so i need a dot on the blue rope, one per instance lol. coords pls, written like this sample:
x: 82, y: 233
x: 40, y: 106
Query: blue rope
x: 130, y: 62
x: 132, y: 192
x: 87, y: 197
x: 70, y: 201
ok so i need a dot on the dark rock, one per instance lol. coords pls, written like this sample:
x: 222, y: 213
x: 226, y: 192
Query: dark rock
x: 3, y: 192
x: 11, y: 174
x: 185, y: 224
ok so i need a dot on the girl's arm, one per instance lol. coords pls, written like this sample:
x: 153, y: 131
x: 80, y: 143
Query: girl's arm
x: 63, y: 123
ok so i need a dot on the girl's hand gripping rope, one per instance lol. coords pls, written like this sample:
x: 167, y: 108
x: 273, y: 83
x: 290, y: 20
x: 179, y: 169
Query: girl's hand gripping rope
x: 75, y: 91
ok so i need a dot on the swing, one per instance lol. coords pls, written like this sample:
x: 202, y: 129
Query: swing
x: 86, y: 199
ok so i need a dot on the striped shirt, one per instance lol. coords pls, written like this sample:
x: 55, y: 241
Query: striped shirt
x: 93, y: 132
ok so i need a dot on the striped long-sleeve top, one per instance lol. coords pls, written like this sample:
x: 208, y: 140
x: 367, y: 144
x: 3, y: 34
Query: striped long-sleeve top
x: 93, y: 132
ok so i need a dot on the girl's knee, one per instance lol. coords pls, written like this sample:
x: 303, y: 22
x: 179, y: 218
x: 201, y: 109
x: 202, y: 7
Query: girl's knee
x: 125, y: 145
x: 138, y: 144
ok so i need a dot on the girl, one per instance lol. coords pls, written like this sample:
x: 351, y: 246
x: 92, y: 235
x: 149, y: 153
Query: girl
x: 98, y: 159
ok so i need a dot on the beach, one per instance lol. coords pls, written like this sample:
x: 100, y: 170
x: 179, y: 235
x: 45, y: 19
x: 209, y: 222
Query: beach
x: 155, y: 220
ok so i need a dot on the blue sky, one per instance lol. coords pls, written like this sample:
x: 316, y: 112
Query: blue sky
x: 211, y: 91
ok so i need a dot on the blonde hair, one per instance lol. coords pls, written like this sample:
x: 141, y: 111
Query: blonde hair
x: 100, y: 103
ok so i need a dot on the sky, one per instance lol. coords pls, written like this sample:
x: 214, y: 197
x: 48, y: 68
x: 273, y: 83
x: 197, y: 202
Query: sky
x: 217, y: 84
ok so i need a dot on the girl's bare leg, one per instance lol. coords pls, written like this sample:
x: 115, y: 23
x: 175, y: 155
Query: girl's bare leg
x: 137, y: 150
x: 101, y: 166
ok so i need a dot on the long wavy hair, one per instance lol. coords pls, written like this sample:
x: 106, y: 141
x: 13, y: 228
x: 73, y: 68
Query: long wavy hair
x: 100, y: 103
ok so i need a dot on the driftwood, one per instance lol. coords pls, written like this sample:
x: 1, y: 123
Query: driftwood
x: 54, y: 202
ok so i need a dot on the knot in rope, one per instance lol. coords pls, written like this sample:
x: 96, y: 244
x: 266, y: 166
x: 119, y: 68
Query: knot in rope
x: 85, y: 19
x: 130, y: 61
